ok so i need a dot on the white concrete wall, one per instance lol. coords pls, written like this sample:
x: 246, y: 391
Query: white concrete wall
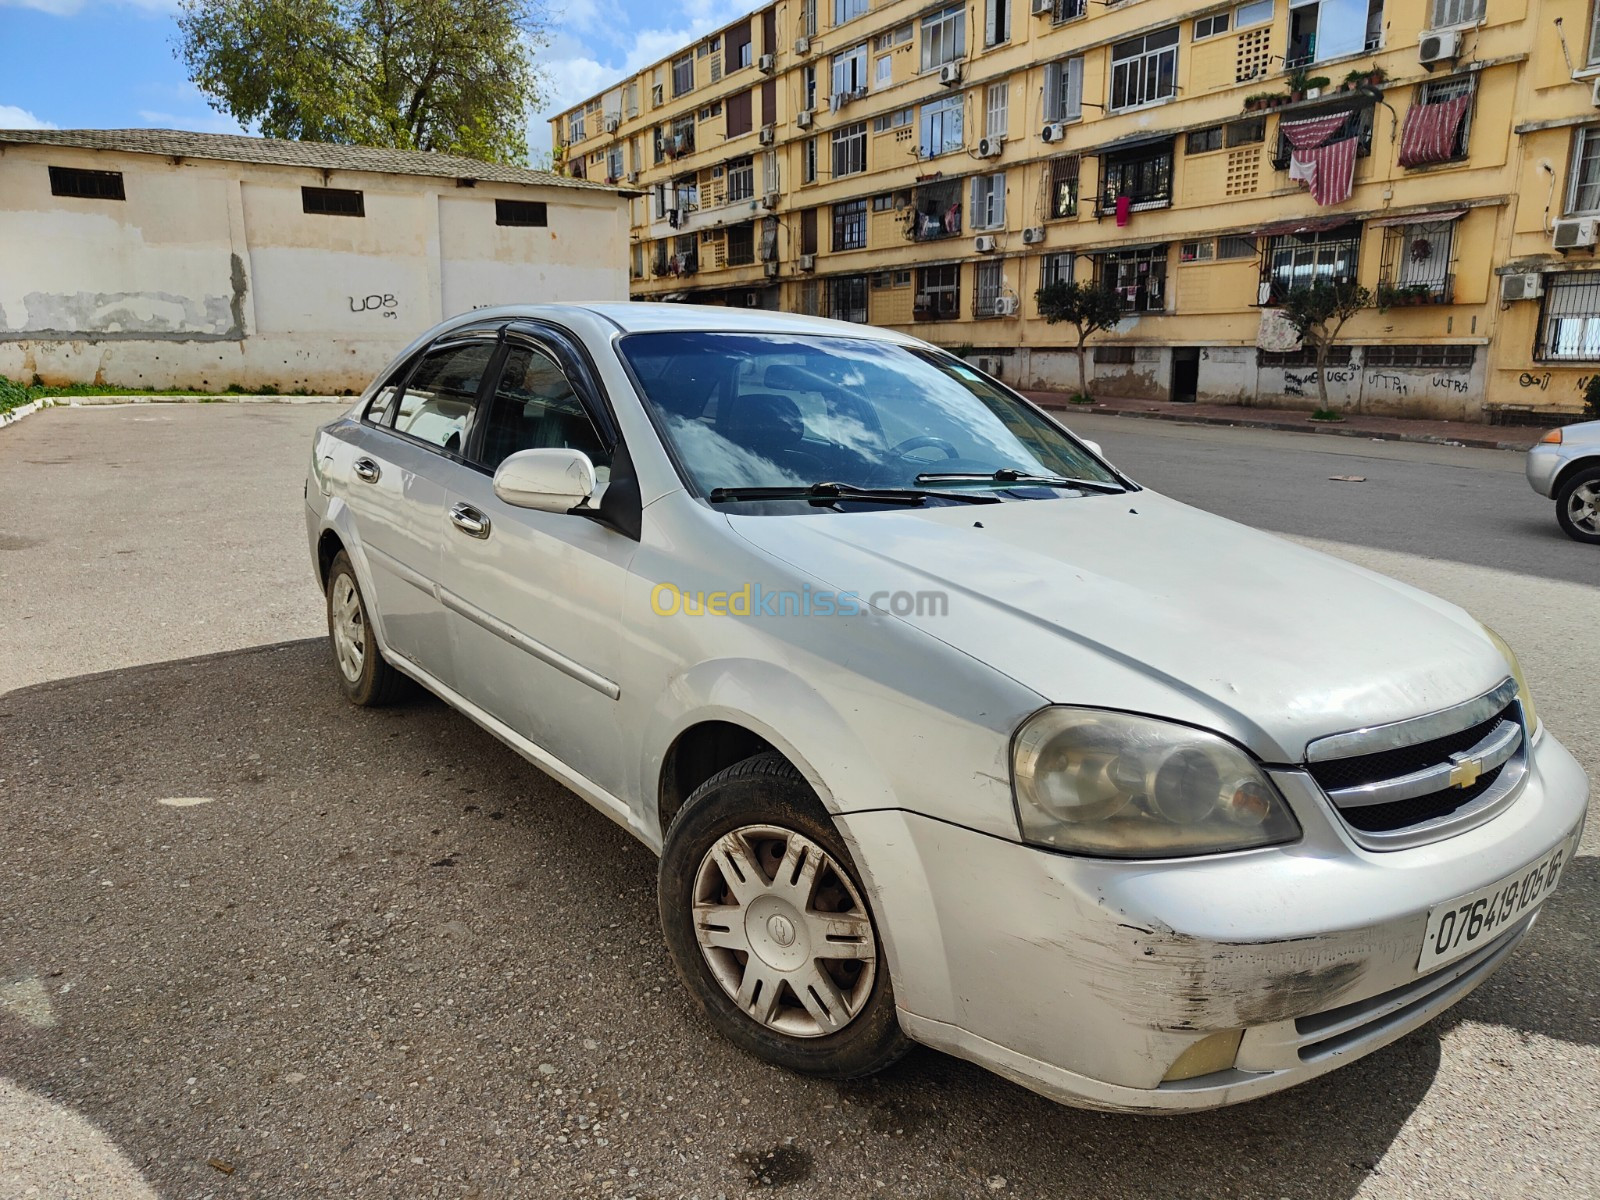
x: 210, y: 274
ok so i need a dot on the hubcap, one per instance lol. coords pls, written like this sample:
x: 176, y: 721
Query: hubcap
x: 1583, y: 508
x: 784, y: 931
x: 348, y: 628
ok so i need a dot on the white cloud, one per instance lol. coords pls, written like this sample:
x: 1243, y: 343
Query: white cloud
x: 12, y: 117
x: 211, y: 122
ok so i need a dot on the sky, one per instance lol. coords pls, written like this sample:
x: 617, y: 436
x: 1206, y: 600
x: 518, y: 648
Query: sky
x: 109, y: 64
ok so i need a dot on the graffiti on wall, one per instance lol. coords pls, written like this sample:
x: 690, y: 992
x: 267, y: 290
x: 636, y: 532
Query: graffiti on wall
x: 1541, y: 380
x: 384, y: 304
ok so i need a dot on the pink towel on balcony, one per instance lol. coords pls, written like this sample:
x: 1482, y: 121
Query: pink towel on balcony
x: 1124, y: 209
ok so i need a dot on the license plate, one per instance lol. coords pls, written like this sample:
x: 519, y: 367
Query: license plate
x: 1469, y: 922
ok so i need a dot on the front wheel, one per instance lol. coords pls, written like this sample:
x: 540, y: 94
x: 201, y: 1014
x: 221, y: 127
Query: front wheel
x: 770, y: 929
x: 1578, y: 506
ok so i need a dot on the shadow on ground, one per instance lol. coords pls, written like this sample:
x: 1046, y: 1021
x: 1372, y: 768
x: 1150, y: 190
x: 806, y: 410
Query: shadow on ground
x: 387, y: 958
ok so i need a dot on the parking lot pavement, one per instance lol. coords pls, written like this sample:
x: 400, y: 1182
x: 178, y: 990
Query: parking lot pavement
x: 387, y: 958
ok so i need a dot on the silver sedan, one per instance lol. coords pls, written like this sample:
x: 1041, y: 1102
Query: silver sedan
x: 1565, y: 466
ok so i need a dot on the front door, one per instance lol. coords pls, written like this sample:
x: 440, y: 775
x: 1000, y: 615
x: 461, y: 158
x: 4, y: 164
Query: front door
x: 1185, y: 374
x: 534, y: 599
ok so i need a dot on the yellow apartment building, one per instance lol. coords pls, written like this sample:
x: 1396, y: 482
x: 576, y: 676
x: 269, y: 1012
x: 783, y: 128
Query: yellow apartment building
x: 929, y: 166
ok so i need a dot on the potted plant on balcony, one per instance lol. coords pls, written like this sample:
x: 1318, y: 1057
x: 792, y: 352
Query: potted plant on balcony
x: 1404, y: 295
x: 1260, y: 100
x: 1354, y: 79
x: 1376, y: 75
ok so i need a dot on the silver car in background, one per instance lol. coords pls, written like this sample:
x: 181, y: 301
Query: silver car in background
x: 943, y: 728
x: 1565, y: 466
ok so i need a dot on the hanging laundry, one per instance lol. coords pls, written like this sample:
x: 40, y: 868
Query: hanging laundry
x: 1124, y: 209
x: 1430, y: 132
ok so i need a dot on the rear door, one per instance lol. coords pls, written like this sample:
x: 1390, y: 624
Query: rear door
x: 396, y: 482
x: 534, y: 599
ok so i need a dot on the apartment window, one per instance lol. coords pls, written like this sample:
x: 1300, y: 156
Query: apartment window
x: 1063, y: 90
x: 1417, y: 264
x: 1457, y: 12
x: 1056, y: 268
x: 850, y: 225
x: 1437, y: 123
x: 1357, y: 124
x: 936, y: 211
x: 989, y: 201
x: 808, y: 87
x: 92, y: 185
x: 710, y: 111
x: 1323, y: 29
x: 808, y: 231
x: 941, y: 127
x: 938, y: 296
x: 1216, y: 23
x: 808, y: 161
x: 1194, y: 252
x: 1296, y: 260
x: 1569, y: 321
x: 996, y: 22
x: 1144, y: 181
x: 742, y: 244
x: 850, y: 71
x: 630, y: 103
x: 741, y: 179
x: 1236, y: 247
x: 1306, y: 356
x: 740, y: 115
x: 1594, y: 34
x: 1256, y: 13
x: 1064, y: 186
x: 1202, y: 141
x: 944, y: 36
x: 847, y: 298
x: 1583, y: 191
x: 850, y: 150
x: 891, y: 201
x: 1432, y: 355
x: 739, y: 51
x: 808, y: 18
x: 1114, y: 356
x: 614, y: 164
x: 988, y: 282
x: 576, y: 126
x: 1144, y: 69
x: 996, y: 102
x: 891, y: 279
x: 898, y: 119
x: 1067, y: 10
x: 1247, y: 132
x: 332, y: 202
x: 1138, y: 278
x: 883, y: 71
x: 848, y: 10
x: 897, y: 36
x: 682, y: 75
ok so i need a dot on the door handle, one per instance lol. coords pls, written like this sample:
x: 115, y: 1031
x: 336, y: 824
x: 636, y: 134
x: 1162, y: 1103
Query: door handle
x: 367, y: 470
x: 470, y: 521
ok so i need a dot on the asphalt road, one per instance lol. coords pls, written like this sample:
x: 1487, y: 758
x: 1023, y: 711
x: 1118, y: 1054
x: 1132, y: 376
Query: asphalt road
x: 386, y: 958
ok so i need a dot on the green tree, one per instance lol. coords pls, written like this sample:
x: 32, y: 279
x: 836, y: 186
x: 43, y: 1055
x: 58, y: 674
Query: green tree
x: 1318, y: 314
x: 454, y: 76
x: 1087, y: 307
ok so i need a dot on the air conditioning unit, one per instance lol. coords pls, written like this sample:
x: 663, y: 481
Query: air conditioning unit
x: 767, y: 135
x: 802, y: 45
x: 771, y: 199
x: 986, y: 243
x: 990, y: 147
x: 1443, y: 45
x: 803, y: 119
x: 771, y: 270
x: 613, y: 124
x: 808, y: 262
x: 950, y: 74
x: 1574, y: 233
x: 1521, y: 287
x: 632, y: 177
x: 1033, y: 235
x: 1054, y: 133
x: 1005, y: 306
x: 767, y: 63
x: 1043, y: 8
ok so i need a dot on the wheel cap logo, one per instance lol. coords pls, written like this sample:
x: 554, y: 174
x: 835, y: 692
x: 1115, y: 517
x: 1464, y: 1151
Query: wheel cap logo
x: 781, y: 930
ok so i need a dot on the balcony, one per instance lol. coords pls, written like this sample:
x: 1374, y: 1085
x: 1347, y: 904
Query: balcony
x: 935, y: 212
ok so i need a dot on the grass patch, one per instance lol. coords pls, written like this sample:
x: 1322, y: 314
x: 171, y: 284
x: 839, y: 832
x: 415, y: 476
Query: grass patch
x: 14, y: 394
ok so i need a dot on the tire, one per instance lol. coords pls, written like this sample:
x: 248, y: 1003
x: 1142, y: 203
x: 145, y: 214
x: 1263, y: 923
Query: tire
x: 1578, y: 506
x: 765, y: 807
x: 364, y: 677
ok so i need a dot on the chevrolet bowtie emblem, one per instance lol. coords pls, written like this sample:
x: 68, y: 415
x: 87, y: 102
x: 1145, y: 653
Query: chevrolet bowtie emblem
x: 1465, y: 772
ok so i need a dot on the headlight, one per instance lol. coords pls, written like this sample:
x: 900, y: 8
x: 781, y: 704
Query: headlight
x: 1530, y: 718
x: 1121, y: 786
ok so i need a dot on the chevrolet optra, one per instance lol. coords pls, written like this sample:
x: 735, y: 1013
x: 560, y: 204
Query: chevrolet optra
x: 945, y: 730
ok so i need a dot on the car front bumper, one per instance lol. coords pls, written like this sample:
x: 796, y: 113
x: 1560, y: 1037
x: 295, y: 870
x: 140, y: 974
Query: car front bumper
x: 1543, y: 464
x: 1087, y: 979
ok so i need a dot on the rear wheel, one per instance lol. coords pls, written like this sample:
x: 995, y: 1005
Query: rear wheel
x: 770, y: 929
x: 1578, y: 506
x: 364, y: 677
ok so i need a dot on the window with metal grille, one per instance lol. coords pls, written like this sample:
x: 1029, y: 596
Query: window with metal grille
x: 1569, y: 318
x: 1199, y: 251
x: 1417, y: 264
x: 938, y: 295
x: 1063, y: 89
x: 941, y: 127
x: 850, y: 150
x: 847, y: 298
x: 1200, y: 141
x: 86, y: 185
x: 1114, y: 356
x: 988, y: 201
x: 1145, y: 179
x: 1434, y: 356
x: 332, y: 202
x: 1306, y: 356
x: 1056, y: 268
x: 1137, y: 278
x: 1457, y: 12
x: 1063, y: 185
x: 1438, y: 91
x: 944, y: 36
x: 1297, y: 260
x: 1357, y: 124
x: 521, y: 212
x: 1247, y: 132
x: 742, y: 244
x: 1144, y: 69
x: 850, y: 225
x: 988, y: 283
x: 1236, y: 247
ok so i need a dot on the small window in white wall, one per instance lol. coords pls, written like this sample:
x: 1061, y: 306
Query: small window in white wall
x: 521, y: 212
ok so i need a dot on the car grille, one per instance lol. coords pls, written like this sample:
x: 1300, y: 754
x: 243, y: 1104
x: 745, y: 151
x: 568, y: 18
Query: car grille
x: 1402, y: 792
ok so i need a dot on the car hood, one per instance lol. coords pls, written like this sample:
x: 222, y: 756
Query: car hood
x: 1139, y: 603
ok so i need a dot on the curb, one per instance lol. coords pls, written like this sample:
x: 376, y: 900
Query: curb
x: 1379, y: 435
x: 12, y: 416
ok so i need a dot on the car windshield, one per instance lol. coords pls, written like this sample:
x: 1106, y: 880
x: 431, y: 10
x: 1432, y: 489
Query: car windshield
x: 776, y: 410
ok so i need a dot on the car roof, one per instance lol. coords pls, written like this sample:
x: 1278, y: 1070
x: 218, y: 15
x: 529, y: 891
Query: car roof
x: 636, y: 317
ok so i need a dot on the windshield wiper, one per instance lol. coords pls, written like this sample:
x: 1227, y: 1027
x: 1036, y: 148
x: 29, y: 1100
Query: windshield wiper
x: 825, y: 494
x: 1012, y: 475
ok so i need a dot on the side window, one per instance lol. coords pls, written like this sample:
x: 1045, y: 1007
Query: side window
x: 437, y: 404
x: 378, y: 408
x: 535, y: 407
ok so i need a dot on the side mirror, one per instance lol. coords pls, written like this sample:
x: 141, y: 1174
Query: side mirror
x: 1094, y: 448
x: 550, y: 480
